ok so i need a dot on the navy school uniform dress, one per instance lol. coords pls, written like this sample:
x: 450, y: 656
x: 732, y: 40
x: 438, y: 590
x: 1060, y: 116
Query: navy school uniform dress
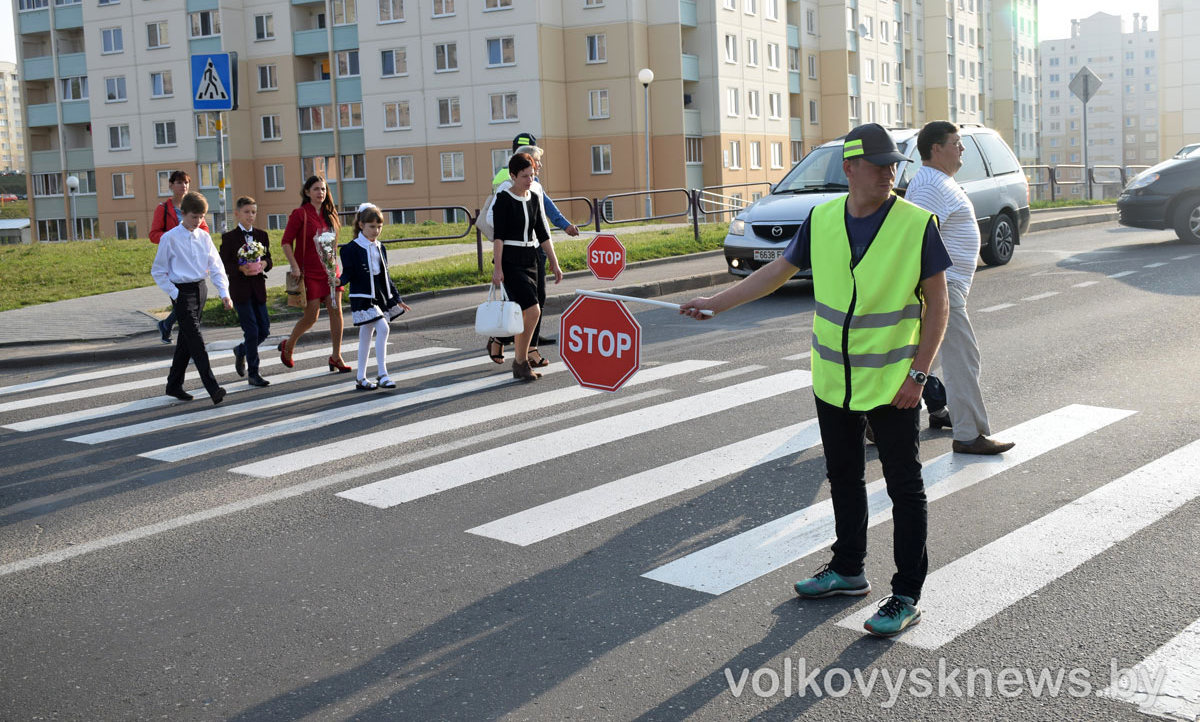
x: 372, y: 295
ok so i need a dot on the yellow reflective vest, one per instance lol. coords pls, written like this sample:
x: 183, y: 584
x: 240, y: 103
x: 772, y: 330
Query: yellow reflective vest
x: 868, y: 315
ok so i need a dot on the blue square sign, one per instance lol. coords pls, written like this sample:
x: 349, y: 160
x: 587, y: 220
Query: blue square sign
x: 214, y: 82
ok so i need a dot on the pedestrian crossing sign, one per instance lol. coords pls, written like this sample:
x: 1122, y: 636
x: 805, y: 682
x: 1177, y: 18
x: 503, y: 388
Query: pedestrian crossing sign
x: 214, y: 82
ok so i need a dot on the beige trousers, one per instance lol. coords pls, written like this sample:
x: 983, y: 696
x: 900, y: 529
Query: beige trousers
x: 959, y: 358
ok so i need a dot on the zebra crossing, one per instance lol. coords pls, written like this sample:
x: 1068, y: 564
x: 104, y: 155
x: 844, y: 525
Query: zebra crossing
x: 458, y: 450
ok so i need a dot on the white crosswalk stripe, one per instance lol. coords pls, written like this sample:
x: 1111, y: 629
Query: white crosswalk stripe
x: 465, y: 470
x: 763, y: 549
x: 1167, y: 683
x: 979, y: 585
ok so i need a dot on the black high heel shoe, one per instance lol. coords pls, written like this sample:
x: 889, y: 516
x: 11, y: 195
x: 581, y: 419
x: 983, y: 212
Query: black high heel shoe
x: 339, y: 367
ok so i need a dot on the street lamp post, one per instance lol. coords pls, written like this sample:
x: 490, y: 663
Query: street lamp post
x: 72, y: 189
x: 645, y: 77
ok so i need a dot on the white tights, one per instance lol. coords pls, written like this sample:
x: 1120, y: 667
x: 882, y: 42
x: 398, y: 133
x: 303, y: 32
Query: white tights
x: 381, y: 329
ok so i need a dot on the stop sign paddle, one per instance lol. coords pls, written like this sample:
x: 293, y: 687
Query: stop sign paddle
x: 600, y: 342
x: 606, y: 257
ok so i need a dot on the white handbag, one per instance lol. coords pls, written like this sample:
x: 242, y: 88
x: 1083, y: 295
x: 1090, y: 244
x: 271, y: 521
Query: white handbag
x: 498, y: 316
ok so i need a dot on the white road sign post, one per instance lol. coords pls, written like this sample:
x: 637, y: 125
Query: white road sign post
x: 1083, y: 86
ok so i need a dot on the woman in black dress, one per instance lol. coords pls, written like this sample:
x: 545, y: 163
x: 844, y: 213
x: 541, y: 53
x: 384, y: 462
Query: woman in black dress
x: 520, y: 227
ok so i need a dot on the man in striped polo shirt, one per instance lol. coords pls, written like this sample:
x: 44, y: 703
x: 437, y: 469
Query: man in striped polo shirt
x: 934, y: 189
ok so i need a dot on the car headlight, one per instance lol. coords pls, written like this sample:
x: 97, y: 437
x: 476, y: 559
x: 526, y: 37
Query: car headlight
x: 1141, y: 181
x: 737, y: 228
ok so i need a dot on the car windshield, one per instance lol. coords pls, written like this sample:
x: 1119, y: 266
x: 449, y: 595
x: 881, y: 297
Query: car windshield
x: 821, y: 170
x: 1189, y: 151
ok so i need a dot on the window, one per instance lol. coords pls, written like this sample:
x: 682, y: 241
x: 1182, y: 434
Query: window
x: 775, y: 105
x: 122, y: 185
x: 210, y: 174
x: 164, y: 133
x: 267, y: 77
x: 752, y: 104
x: 776, y: 155
x: 205, y: 24
x: 395, y: 116
x: 400, y: 169
x: 350, y: 115
x: 453, y: 166
x: 597, y: 48
x: 445, y: 57
x: 773, y: 56
x: 731, y: 102
x: 264, y: 27
x: 394, y: 62
x: 867, y: 29
x: 693, y: 150
x: 316, y: 118
x: 750, y: 6
x: 496, y: 5
x: 111, y: 41
x: 161, y: 85
x: 794, y: 60
x: 593, y: 3
x: 442, y: 8
x: 74, y: 88
x: 391, y: 11
x: 810, y: 21
x: 731, y: 4
x: 164, y: 183
x: 771, y: 9
x: 755, y: 154
x: 500, y: 158
x: 273, y: 177
x: 601, y: 159
x: 797, y: 150
x: 125, y: 230
x: 322, y: 165
x: 597, y: 104
x: 47, y: 184
x: 812, y: 111
x: 752, y: 52
x: 885, y: 73
x: 354, y: 167
x: 347, y: 63
x: 206, y: 124
x: 276, y: 221
x: 731, y: 48
x: 409, y: 217
x: 114, y: 89
x: 448, y: 112
x: 812, y: 67
x: 271, y: 129
x: 345, y: 12
x: 735, y: 154
x: 156, y: 35
x: 869, y: 71
x: 500, y: 52
x: 504, y: 107
x: 118, y: 137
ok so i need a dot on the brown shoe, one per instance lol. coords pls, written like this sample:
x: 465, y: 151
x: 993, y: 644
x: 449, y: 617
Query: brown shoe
x: 982, y: 445
x: 521, y: 370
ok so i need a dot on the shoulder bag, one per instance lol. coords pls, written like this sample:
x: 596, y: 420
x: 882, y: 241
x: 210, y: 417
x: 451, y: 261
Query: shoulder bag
x: 498, y: 316
x: 297, y: 297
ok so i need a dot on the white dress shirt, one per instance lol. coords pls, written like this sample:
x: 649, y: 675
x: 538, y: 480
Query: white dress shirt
x: 187, y: 257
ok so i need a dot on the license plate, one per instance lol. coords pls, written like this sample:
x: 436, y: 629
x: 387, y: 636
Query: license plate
x: 767, y: 254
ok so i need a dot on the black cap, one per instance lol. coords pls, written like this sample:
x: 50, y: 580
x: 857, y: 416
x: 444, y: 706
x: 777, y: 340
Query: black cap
x: 872, y: 142
x: 524, y: 139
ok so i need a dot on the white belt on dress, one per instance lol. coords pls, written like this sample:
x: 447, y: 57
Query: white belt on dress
x: 521, y: 244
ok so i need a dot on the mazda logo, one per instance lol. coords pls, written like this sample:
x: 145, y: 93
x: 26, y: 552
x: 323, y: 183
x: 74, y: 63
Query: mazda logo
x: 776, y: 231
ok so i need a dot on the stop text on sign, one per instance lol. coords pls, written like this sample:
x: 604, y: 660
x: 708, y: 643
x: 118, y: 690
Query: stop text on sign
x: 598, y: 340
x: 605, y: 257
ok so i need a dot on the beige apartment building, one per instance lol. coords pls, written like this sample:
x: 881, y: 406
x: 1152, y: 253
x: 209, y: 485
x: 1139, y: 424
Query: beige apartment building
x: 414, y: 103
x: 12, y: 129
x: 1179, y: 84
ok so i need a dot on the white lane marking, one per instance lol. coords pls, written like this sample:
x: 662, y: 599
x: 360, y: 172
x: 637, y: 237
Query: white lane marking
x: 997, y: 307
x: 492, y: 462
x: 797, y: 357
x: 370, y: 442
x: 1154, y: 265
x: 1040, y: 296
x: 1120, y: 274
x: 270, y: 402
x: 734, y: 372
x: 1085, y: 284
x: 308, y: 422
x: 1184, y: 257
x: 93, y: 375
x: 586, y: 507
x: 85, y: 393
x: 743, y: 558
x: 976, y: 587
x: 1167, y: 683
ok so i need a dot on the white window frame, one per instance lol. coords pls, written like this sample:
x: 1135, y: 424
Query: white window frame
x: 168, y: 129
x: 164, y: 79
x: 357, y: 164
x: 161, y: 37
x: 112, y: 41
x: 196, y: 23
x: 755, y: 155
x: 347, y: 111
x: 731, y: 48
x: 506, y: 98
x: 602, y: 159
x: 511, y: 47
x: 446, y: 50
x: 272, y: 76
x: 773, y: 56
x: 345, y: 12
x: 596, y: 48
x: 348, y: 65
x: 732, y: 102
x: 270, y: 128
x: 776, y: 155
x: 735, y: 154
x: 264, y: 27
x: 126, y: 183
x: 458, y: 167
x: 72, y: 88
x: 125, y: 230
x: 453, y: 112
x: 751, y: 52
x: 397, y: 162
x: 774, y: 105
x: 402, y: 53
x: 598, y: 105
x: 446, y: 8
x: 274, y: 178
x: 394, y: 106
x: 164, y: 183
x: 123, y: 143
x: 112, y: 84
x: 753, y: 104
x: 494, y: 5
x: 393, y: 6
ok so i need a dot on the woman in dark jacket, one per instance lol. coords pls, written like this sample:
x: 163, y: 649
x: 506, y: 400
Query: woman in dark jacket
x: 374, y: 299
x: 520, y: 227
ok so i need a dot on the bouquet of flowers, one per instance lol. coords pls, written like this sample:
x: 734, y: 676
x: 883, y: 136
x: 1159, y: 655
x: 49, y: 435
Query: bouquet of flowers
x: 250, y: 258
x: 326, y: 244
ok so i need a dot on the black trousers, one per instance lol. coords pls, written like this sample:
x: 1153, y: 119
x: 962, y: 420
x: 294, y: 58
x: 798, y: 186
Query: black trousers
x: 896, y: 438
x: 189, y: 345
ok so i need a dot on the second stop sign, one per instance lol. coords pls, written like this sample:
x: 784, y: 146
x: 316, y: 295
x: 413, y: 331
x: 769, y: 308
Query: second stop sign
x: 606, y: 257
x: 600, y: 342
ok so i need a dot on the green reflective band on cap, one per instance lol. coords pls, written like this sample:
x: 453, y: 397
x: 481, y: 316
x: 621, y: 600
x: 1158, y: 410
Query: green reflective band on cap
x: 852, y: 148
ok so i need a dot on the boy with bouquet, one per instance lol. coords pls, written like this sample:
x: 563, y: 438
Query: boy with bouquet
x: 246, y: 253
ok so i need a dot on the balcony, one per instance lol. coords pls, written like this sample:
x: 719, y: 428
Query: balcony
x: 79, y: 158
x: 38, y: 68
x: 349, y: 90
x: 33, y: 21
x: 691, y: 122
x: 796, y: 128
x: 316, y: 42
x: 687, y: 13
x: 314, y: 92
x: 72, y: 64
x: 195, y: 6
x: 793, y: 36
x: 201, y: 46
x: 690, y: 67
x: 41, y: 115
x: 44, y: 161
x: 316, y: 143
x: 308, y: 2
x: 793, y: 81
x: 76, y: 111
x: 354, y: 192
x: 68, y: 16
x: 351, y: 142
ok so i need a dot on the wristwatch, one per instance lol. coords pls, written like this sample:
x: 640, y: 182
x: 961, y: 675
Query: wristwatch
x: 919, y: 376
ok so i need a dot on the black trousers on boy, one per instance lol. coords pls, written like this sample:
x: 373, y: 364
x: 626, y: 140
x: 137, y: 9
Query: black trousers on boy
x: 189, y: 345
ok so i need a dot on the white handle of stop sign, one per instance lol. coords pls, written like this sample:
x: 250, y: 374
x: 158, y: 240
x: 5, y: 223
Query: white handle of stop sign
x: 634, y: 299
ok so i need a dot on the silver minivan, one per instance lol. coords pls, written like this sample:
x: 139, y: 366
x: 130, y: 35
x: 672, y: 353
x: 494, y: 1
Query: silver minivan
x: 991, y: 176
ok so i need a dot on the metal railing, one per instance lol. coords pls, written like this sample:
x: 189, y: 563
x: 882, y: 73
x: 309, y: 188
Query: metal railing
x: 1052, y: 177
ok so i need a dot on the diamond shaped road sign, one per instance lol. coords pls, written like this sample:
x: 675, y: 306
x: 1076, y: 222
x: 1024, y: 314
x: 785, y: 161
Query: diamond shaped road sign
x: 1085, y: 84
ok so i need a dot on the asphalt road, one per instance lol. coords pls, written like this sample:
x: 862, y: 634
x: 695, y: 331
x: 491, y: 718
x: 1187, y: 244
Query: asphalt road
x: 539, y: 552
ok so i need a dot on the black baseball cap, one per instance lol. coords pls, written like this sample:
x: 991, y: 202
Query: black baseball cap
x: 873, y: 143
x: 524, y: 139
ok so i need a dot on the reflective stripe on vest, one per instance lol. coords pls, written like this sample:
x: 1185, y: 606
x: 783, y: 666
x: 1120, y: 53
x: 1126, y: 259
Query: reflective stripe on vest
x: 868, y: 315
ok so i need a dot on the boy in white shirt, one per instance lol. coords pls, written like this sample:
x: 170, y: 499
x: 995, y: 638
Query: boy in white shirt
x: 186, y: 256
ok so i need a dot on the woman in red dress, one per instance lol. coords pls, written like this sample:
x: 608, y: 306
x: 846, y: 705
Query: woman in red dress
x: 315, y: 216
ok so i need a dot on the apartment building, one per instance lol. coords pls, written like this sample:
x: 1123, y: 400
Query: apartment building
x: 1178, y: 88
x: 1123, y: 116
x: 12, y: 128
x: 413, y: 103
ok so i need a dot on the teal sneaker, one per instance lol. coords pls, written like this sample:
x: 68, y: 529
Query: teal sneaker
x: 828, y: 583
x: 896, y: 613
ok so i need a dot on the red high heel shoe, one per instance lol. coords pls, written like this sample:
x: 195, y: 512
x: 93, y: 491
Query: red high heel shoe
x: 284, y: 357
x: 341, y: 367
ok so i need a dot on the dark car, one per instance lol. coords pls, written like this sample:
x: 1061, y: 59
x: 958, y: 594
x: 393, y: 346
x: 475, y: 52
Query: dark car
x: 1165, y: 196
x: 991, y: 176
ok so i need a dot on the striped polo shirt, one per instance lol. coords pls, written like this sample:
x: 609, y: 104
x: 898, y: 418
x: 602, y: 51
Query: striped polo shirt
x: 935, y: 191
